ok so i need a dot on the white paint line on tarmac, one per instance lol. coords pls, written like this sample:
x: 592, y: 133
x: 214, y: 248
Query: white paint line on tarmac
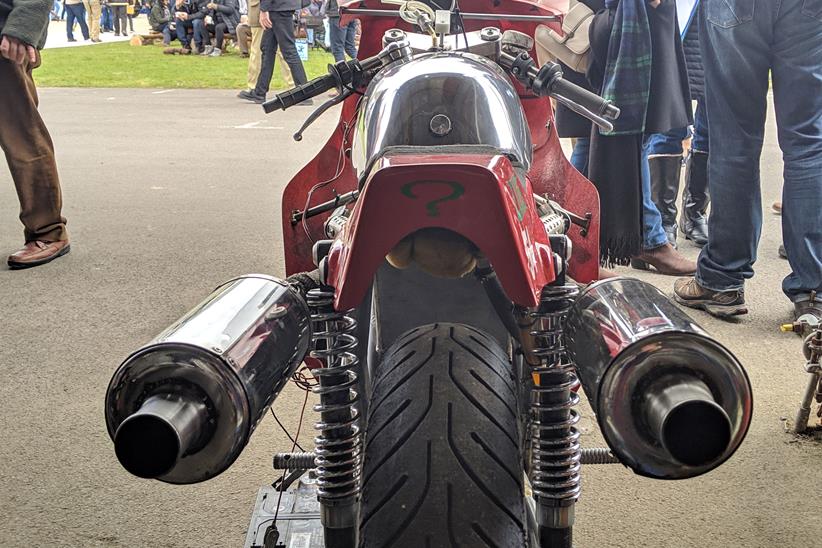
x: 162, y: 91
x: 252, y: 125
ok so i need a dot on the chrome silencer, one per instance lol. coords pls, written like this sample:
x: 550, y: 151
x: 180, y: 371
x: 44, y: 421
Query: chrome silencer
x: 672, y: 403
x: 182, y: 408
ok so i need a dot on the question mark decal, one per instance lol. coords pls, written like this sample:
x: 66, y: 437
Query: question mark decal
x: 457, y: 190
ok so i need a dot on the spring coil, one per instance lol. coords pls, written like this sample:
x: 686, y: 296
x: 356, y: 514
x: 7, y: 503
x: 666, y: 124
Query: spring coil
x: 555, y: 449
x: 338, y: 452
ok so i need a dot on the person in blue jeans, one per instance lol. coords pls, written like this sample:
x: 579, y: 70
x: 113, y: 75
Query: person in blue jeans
x: 76, y: 12
x: 747, y: 45
x: 342, y: 38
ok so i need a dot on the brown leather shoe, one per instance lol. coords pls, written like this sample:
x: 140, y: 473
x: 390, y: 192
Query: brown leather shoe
x: 36, y: 253
x: 665, y: 260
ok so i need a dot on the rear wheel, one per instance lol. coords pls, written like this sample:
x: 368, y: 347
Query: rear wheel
x: 442, y: 455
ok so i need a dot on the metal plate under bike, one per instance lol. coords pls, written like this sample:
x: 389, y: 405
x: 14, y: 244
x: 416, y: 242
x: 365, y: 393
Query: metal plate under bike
x: 298, y: 521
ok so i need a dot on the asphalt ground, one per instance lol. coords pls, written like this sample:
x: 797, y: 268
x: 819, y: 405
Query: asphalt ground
x: 168, y: 193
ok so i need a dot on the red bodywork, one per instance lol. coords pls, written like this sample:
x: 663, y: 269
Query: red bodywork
x: 489, y: 212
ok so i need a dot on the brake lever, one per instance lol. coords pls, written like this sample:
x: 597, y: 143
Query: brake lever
x: 320, y: 111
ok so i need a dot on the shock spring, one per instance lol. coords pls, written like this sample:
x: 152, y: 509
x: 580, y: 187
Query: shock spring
x: 555, y: 449
x: 339, y: 444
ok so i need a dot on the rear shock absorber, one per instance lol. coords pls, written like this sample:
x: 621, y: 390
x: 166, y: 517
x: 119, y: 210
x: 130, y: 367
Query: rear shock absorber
x: 555, y: 451
x: 339, y: 444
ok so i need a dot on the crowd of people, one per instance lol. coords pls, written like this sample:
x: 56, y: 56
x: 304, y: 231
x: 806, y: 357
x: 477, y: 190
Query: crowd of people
x: 95, y: 17
x: 652, y: 58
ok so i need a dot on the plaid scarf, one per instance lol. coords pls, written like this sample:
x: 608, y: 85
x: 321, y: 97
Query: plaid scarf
x: 628, y: 68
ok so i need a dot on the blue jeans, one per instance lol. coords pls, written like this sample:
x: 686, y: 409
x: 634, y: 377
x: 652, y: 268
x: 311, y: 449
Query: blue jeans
x: 342, y: 39
x: 76, y: 12
x: 579, y: 157
x: 653, y: 235
x: 741, y: 41
x: 182, y: 32
x: 106, y: 19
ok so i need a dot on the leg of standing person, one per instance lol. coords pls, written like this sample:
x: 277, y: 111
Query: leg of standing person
x: 268, y: 49
x: 735, y: 47
x: 30, y: 154
x: 694, y: 221
x: 283, y: 26
x: 653, y: 232
x: 254, y: 57
x: 337, y: 39
x: 123, y: 20
x: 797, y: 73
x: 657, y: 251
x: 69, y: 23
x: 665, y: 166
x: 350, y: 44
x: 285, y: 72
x: 116, y: 18
x: 94, y: 20
x: 579, y: 156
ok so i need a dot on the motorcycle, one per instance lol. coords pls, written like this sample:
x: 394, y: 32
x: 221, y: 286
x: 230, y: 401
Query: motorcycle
x: 438, y: 250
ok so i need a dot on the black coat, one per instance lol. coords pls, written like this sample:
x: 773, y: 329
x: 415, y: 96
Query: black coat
x: 669, y: 104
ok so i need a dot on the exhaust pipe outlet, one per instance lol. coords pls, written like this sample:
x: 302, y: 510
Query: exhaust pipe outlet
x: 672, y: 403
x: 183, y: 407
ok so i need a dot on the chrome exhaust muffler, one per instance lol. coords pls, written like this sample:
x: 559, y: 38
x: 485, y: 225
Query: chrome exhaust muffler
x: 182, y: 408
x: 671, y: 402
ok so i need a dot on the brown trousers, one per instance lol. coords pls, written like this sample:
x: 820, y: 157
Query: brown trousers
x: 30, y: 154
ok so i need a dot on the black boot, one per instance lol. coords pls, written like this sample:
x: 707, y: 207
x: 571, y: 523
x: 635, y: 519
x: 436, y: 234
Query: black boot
x: 695, y: 199
x: 665, y: 172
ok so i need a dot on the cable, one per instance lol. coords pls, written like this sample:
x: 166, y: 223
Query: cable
x: 341, y: 161
x: 284, y: 430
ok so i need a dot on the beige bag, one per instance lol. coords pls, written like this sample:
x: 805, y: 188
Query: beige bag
x: 573, y: 47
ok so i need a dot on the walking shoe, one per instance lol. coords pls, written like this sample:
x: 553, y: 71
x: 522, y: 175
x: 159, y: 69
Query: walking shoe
x: 215, y: 53
x: 665, y: 260
x: 71, y: 40
x: 207, y: 50
x: 36, y: 253
x: 251, y: 96
x: 722, y: 304
x: 782, y: 253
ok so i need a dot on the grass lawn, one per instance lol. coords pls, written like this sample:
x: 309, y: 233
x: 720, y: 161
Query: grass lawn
x: 121, y: 65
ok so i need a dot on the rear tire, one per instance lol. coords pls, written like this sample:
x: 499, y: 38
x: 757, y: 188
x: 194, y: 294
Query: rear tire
x: 442, y: 455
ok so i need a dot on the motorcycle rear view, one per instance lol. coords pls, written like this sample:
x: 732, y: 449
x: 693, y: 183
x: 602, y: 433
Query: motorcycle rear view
x: 445, y: 335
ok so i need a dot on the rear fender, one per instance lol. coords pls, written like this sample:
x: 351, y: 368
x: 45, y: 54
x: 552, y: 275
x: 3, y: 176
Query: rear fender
x: 481, y: 197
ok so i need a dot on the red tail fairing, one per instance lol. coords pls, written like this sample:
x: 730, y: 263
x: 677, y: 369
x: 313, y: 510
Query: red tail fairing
x: 481, y: 197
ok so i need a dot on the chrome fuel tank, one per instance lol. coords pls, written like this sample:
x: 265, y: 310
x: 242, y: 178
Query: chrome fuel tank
x: 460, y: 101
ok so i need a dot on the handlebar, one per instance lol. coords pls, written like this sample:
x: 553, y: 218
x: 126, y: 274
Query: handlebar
x: 311, y: 89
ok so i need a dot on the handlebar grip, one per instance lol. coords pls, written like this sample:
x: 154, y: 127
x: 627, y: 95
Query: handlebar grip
x: 586, y: 99
x: 289, y: 98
